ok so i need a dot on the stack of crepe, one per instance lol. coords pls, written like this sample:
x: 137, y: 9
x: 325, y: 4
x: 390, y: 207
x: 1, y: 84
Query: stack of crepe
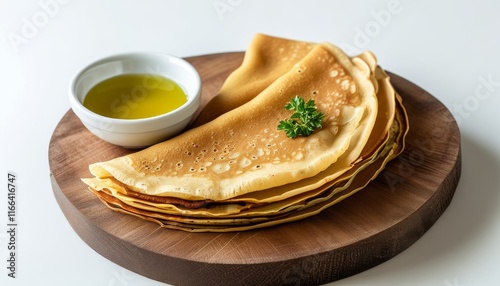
x: 233, y: 170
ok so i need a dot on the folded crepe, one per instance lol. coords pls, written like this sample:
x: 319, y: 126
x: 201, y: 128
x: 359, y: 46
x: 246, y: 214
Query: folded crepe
x: 235, y: 171
x: 242, y: 151
x: 267, y: 58
x: 250, y: 213
x: 268, y: 215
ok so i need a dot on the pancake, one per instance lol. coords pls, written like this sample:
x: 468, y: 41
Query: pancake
x: 226, y: 224
x: 386, y: 106
x: 234, y: 170
x: 394, y: 145
x: 266, y: 59
x: 241, y: 210
x: 239, y: 152
x: 333, y: 196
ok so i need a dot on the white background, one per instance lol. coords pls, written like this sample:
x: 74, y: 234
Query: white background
x: 449, y: 48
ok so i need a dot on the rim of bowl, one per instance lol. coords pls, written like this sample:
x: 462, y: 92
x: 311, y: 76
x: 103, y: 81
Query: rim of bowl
x: 192, y: 98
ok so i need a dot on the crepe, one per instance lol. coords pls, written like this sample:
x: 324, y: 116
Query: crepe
x: 235, y: 171
x: 241, y: 213
x: 293, y: 196
x: 379, y: 134
x: 241, y: 151
x: 333, y: 195
x: 266, y: 59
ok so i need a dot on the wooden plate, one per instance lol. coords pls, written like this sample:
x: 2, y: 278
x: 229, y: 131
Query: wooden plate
x: 364, y: 230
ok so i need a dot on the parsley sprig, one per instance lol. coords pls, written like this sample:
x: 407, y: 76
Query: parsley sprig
x: 304, y: 121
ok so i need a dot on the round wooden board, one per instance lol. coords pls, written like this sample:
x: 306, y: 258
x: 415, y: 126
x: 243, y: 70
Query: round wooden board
x: 366, y: 229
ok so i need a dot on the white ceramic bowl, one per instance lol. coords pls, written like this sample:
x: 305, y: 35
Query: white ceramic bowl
x: 137, y: 133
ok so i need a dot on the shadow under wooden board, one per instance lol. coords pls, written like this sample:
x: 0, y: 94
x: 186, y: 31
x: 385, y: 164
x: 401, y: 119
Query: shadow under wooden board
x: 366, y: 229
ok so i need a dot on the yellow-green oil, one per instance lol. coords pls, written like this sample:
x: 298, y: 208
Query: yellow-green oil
x: 134, y: 96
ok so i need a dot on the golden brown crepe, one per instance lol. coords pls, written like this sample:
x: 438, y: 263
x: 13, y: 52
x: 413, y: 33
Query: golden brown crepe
x: 225, y: 214
x: 225, y: 210
x: 242, y: 151
x: 235, y: 171
x: 266, y: 59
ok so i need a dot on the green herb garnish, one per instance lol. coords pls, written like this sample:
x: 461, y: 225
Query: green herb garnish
x: 304, y: 121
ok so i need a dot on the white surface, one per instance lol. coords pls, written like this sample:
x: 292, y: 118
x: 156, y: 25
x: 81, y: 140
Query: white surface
x: 448, y: 48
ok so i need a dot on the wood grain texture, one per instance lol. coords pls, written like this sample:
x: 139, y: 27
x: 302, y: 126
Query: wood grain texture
x: 362, y: 231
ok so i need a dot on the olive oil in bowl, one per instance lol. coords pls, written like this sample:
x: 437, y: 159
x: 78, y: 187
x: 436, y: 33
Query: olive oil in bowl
x: 135, y: 96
